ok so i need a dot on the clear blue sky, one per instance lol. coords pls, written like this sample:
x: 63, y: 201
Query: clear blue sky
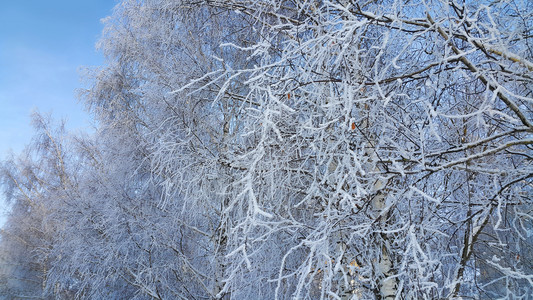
x: 43, y: 44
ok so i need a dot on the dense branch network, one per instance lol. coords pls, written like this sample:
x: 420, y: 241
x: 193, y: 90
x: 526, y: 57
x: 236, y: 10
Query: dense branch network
x: 289, y: 150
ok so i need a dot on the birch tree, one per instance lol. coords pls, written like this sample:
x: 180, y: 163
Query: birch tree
x: 35, y: 184
x: 382, y: 144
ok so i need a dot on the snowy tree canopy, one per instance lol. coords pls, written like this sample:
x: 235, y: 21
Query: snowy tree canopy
x: 288, y: 150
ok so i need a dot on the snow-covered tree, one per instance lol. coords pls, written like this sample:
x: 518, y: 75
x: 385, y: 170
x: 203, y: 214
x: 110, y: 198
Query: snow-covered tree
x: 36, y: 183
x: 390, y: 150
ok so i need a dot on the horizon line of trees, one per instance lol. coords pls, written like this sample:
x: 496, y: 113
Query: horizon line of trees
x: 286, y: 149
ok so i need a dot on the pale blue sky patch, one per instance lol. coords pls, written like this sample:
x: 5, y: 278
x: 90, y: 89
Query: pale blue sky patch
x: 43, y: 44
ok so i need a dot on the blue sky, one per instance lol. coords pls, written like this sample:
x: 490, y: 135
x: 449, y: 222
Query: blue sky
x: 43, y: 45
